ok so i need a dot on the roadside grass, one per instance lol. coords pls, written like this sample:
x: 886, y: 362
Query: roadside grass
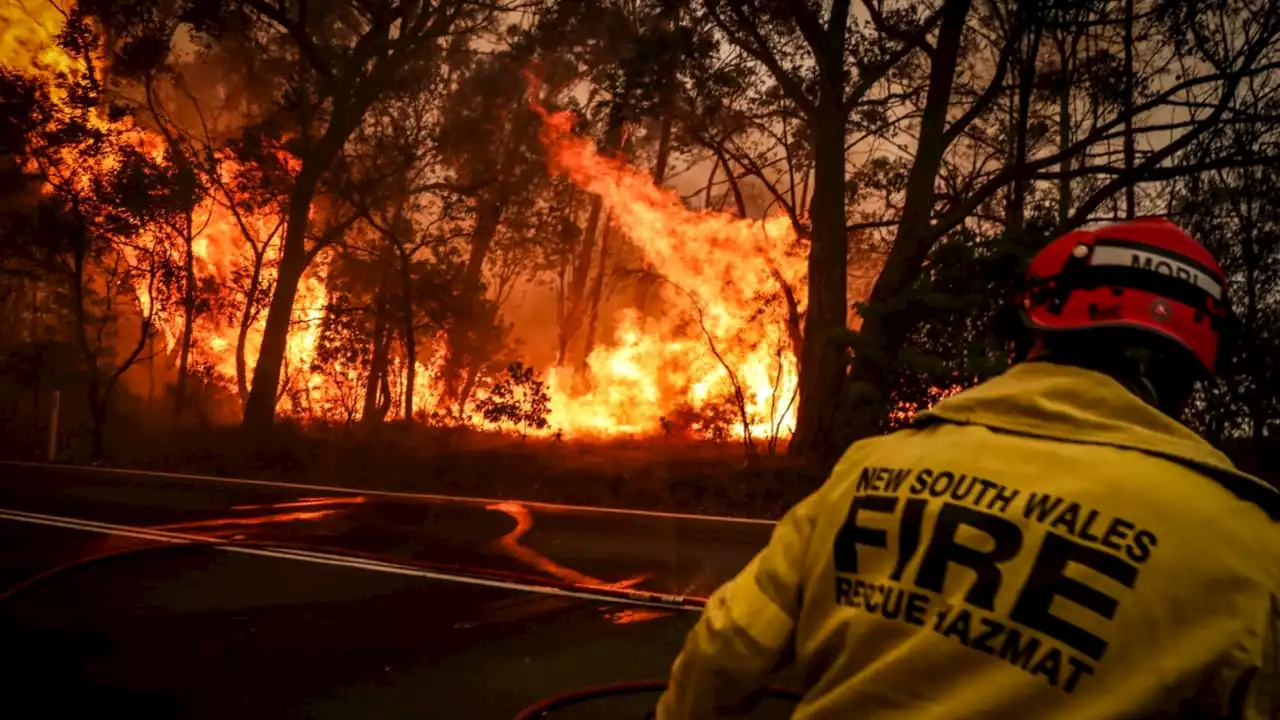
x: 676, y: 475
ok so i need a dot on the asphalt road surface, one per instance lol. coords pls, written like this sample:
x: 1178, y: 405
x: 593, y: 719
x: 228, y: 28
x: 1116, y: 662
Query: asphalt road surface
x: 337, y: 604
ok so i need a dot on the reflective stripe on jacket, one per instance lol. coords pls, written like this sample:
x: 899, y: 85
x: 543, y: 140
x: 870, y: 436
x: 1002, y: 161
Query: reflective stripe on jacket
x: 1044, y: 545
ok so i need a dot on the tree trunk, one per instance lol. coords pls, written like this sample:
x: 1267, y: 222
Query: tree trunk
x: 597, y: 292
x: 578, y: 275
x: 246, y: 321
x: 488, y: 219
x: 188, y: 325
x: 38, y: 350
x: 468, y: 386
x: 151, y: 373
x: 1130, y: 200
x: 97, y: 412
x: 384, y: 397
x: 1026, y: 76
x: 664, y: 152
x: 822, y: 363
x: 410, y: 373
x: 408, y: 332
x: 1250, y: 330
x: 370, y: 414
x: 260, y: 408
x: 1064, y: 133
x: 185, y: 175
x: 668, y: 61
x: 885, y: 326
x: 98, y: 418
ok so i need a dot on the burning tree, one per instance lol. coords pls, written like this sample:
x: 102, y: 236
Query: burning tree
x: 724, y: 280
x: 335, y: 64
x: 83, y: 222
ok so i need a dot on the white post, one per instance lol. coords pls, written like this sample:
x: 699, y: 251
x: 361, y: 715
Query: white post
x: 53, y: 426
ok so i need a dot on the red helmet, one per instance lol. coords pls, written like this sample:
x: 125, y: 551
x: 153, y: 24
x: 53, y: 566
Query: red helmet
x: 1145, y: 275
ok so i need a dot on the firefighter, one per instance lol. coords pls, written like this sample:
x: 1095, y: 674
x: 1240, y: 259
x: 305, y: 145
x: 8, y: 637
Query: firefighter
x: 1052, y: 543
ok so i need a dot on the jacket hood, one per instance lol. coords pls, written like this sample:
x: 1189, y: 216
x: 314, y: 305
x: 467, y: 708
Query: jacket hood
x: 1072, y: 404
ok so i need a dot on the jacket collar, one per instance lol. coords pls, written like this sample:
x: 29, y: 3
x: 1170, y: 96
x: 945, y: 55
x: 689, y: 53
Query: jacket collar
x: 1072, y: 404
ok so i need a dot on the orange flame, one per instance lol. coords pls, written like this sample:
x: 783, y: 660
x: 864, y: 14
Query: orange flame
x: 724, y: 280
x: 28, y: 29
x: 28, y: 32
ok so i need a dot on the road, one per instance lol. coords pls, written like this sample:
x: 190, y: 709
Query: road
x: 337, y: 603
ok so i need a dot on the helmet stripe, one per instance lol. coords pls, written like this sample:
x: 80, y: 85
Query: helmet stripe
x: 1113, y: 255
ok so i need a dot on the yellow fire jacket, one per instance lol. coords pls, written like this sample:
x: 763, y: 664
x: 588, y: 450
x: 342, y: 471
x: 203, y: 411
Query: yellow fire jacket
x: 1044, y: 545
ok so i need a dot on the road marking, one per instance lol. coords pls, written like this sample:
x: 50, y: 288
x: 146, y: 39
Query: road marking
x: 408, y: 495
x: 659, y: 600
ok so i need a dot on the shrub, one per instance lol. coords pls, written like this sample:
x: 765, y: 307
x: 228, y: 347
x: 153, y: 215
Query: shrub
x: 519, y: 399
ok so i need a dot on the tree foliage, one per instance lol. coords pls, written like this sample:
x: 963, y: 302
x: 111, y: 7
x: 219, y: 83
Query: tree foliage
x: 1234, y: 212
x: 81, y: 226
x: 518, y: 399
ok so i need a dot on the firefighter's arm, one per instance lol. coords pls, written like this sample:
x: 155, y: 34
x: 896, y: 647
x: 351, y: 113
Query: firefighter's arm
x: 1256, y: 692
x: 746, y: 631
x: 1246, y: 684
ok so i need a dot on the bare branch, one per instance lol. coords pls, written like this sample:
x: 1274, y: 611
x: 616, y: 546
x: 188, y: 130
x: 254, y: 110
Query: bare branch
x: 988, y: 95
x: 955, y: 215
x: 916, y: 40
x: 871, y: 225
x: 869, y: 77
x: 758, y: 48
x: 297, y: 30
x: 1169, y: 172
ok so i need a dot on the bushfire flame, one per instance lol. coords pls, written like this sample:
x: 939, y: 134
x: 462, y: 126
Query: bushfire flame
x: 721, y: 343
x: 725, y: 323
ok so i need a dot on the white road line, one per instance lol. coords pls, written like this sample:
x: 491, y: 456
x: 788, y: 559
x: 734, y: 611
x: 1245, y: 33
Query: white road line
x: 408, y: 495
x: 668, y: 602
x: 7, y: 515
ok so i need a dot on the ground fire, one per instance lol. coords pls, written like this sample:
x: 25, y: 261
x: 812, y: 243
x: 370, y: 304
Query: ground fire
x: 723, y: 333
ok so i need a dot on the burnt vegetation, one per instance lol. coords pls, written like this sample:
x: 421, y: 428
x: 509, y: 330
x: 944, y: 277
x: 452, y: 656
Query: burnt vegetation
x: 271, y: 226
